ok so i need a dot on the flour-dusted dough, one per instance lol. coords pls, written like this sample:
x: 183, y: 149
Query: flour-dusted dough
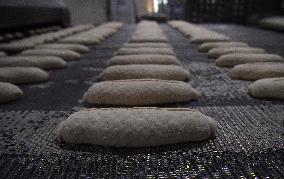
x: 217, y: 52
x: 2, y: 54
x: 255, y: 71
x: 136, y: 127
x: 198, y: 34
x: 9, y: 92
x: 75, y: 47
x: 81, y: 40
x: 15, y: 46
x: 274, y: 22
x: 209, y: 38
x: 147, y: 44
x: 268, y: 88
x: 164, y: 72
x: 140, y: 92
x: 19, y: 75
x: 145, y: 50
x: 43, y: 62
x: 233, y: 59
x: 149, y: 39
x: 93, y: 35
x: 205, y: 47
x: 66, y: 54
x: 144, y: 59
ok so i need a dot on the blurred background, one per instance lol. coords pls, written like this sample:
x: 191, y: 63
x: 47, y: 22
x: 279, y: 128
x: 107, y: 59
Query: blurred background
x: 23, y: 13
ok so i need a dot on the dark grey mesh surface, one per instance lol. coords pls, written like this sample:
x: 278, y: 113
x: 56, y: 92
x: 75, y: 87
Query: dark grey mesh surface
x: 24, y: 14
x: 249, y: 141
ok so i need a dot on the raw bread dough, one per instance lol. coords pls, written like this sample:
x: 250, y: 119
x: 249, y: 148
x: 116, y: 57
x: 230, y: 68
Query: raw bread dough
x: 66, y: 54
x: 145, y: 50
x: 149, y: 39
x: 148, y: 31
x: 93, y: 36
x: 147, y: 44
x: 9, y: 92
x: 144, y: 59
x: 136, y: 127
x: 19, y: 75
x: 217, y: 52
x: 255, y: 71
x: 15, y: 46
x: 268, y: 88
x: 81, y: 40
x: 140, y: 92
x: 198, y: 34
x: 233, y: 59
x: 209, y: 38
x: 43, y: 62
x: 275, y: 23
x: 75, y: 47
x: 163, y: 72
x: 2, y: 54
x: 205, y: 47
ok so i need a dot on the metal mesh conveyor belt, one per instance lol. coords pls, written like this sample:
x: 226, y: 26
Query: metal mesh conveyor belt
x: 249, y: 141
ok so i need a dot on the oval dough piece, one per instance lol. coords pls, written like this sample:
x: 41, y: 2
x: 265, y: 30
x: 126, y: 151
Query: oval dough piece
x: 140, y: 92
x: 217, y: 52
x: 75, y: 47
x: 164, y: 72
x: 81, y: 40
x: 201, y: 38
x: 138, y: 51
x: 233, y: 59
x: 274, y: 22
x: 255, y: 71
x: 205, y: 47
x: 268, y: 88
x: 149, y: 39
x: 66, y: 54
x: 136, y: 127
x: 15, y: 46
x: 198, y: 34
x: 147, y: 44
x: 43, y: 62
x: 2, y: 54
x: 19, y: 75
x: 143, y: 59
x: 9, y: 92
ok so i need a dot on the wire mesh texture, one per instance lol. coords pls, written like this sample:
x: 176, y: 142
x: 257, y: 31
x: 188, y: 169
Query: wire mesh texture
x: 249, y: 142
x: 231, y: 11
x: 217, y: 10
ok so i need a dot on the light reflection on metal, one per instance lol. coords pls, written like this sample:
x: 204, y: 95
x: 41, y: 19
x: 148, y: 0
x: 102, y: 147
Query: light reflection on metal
x: 150, y: 6
x: 156, y: 6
